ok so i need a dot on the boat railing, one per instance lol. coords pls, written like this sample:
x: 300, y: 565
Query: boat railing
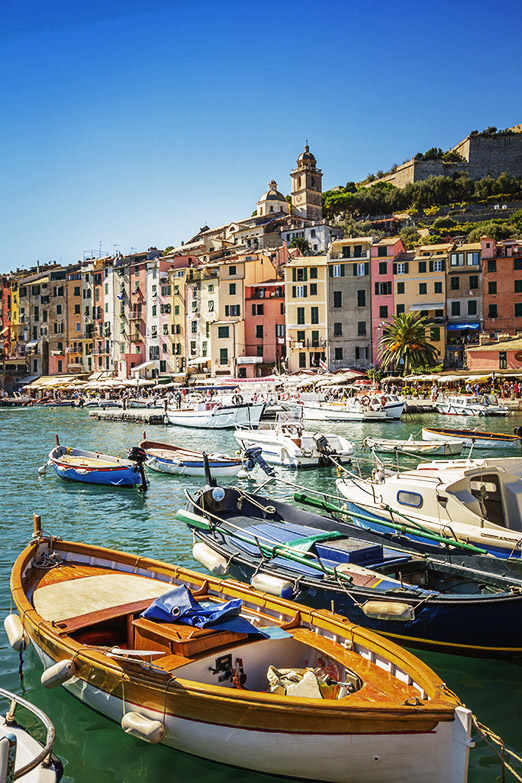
x: 44, y: 757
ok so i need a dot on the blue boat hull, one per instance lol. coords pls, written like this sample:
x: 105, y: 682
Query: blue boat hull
x: 123, y: 477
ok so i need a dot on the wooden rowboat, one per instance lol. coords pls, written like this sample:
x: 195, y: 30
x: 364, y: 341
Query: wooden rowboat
x: 362, y: 710
x: 475, y: 438
x: 166, y: 458
x: 410, y: 446
x: 92, y: 467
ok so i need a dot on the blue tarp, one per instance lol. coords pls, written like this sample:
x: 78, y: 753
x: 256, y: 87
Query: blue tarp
x: 449, y: 327
x: 179, y: 606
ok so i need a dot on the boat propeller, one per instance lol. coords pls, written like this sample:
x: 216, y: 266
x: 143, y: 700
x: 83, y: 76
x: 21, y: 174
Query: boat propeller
x: 253, y: 457
x: 139, y: 456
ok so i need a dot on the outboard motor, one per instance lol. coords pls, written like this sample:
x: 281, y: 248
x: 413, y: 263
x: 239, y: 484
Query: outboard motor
x: 139, y: 456
x: 323, y: 447
x: 518, y: 432
x: 253, y: 458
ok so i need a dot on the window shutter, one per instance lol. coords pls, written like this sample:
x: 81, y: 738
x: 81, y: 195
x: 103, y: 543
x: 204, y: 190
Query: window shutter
x: 330, y: 271
x: 406, y: 267
x: 395, y: 269
x: 443, y: 265
x: 293, y: 291
x: 431, y: 266
x: 294, y: 274
x: 354, y: 269
x: 305, y: 291
x: 226, y: 310
x: 367, y: 269
x: 376, y: 289
x: 305, y: 274
x: 342, y: 270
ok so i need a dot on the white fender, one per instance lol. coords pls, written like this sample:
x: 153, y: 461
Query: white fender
x: 388, y: 610
x: 58, y: 673
x: 16, y: 635
x: 143, y: 728
x: 273, y: 585
x: 212, y: 561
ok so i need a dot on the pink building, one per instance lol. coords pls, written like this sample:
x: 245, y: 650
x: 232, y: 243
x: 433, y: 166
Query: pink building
x: 264, y: 329
x: 382, y: 255
x: 136, y: 311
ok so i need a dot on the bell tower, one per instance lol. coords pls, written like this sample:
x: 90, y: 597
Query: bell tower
x: 307, y: 201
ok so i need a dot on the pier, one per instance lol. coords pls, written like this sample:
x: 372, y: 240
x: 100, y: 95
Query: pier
x: 135, y: 415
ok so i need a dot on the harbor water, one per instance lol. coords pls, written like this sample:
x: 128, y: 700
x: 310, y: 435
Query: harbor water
x: 92, y: 747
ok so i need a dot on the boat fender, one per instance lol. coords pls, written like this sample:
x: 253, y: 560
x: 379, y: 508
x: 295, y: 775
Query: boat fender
x: 212, y: 561
x: 143, y: 728
x: 273, y: 585
x: 384, y: 610
x: 15, y: 633
x: 58, y: 673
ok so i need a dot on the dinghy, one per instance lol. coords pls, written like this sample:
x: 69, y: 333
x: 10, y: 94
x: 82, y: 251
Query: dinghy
x: 22, y: 755
x: 165, y: 458
x: 444, y: 448
x: 414, y: 599
x: 475, y: 438
x: 92, y: 467
x: 285, y: 690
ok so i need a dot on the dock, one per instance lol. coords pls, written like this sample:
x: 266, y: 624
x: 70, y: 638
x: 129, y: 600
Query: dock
x: 135, y: 415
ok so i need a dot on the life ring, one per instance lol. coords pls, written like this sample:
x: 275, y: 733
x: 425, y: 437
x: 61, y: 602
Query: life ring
x: 285, y: 397
x: 383, y: 400
x: 365, y: 401
x: 237, y: 399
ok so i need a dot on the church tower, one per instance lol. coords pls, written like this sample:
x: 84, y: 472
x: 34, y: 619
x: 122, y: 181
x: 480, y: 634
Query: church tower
x: 307, y: 188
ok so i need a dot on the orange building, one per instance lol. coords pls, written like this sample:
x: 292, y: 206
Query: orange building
x: 502, y: 286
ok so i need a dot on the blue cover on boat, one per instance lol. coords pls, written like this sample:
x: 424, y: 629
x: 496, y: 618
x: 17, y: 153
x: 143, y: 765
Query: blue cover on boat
x: 180, y: 606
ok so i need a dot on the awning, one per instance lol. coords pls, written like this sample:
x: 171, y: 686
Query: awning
x: 450, y: 327
x: 427, y: 306
x: 198, y: 360
x: 4, y: 330
x: 31, y: 344
x: 143, y: 366
x: 28, y: 379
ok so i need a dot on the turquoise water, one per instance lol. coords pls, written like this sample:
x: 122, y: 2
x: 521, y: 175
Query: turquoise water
x: 91, y: 747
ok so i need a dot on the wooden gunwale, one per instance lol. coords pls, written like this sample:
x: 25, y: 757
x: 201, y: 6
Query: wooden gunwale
x: 182, y: 453
x: 145, y: 685
x: 474, y: 434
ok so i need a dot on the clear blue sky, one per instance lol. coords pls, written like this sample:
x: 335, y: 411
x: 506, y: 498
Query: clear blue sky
x: 132, y: 124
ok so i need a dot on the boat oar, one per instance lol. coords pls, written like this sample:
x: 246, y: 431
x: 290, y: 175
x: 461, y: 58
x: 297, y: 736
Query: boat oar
x: 274, y: 548
x: 416, y: 530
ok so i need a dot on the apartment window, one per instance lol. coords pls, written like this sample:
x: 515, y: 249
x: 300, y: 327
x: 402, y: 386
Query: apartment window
x: 77, y: 291
x: 437, y: 287
x: 518, y: 286
x: 502, y: 360
x: 223, y: 354
x: 338, y: 298
x: 282, y: 308
x: 232, y: 289
x: 313, y: 289
x: 231, y: 271
x: 302, y: 360
x: 492, y: 311
x: 382, y: 251
x: 176, y: 309
x: 401, y: 269
x: 455, y: 308
x: 259, y: 331
x: 457, y: 259
x: 300, y: 315
x: 360, y: 352
x: 454, y: 283
x: 361, y: 299
x: 299, y: 291
x: 338, y: 270
x: 492, y: 287
x: 473, y: 259
x: 383, y: 267
x: 210, y: 305
x: 399, y: 309
x: 280, y: 330
x: 165, y: 328
x: 400, y: 288
x: 437, y: 265
x: 473, y: 281
x: 44, y: 315
x: 517, y: 264
x: 383, y: 289
x: 423, y: 288
x: 154, y: 310
x: 78, y: 326
x: 313, y: 273
x: 434, y: 333
x: 300, y: 337
x: 338, y: 354
x: 383, y: 311
x: 422, y: 267
x: 337, y: 329
x: 223, y: 332
x: 472, y: 307
x: 518, y: 309
x: 361, y: 270
x: 492, y: 265
x: 258, y: 309
x: 315, y: 339
x: 77, y: 309
x: 315, y: 315
x: 259, y: 350
x: 361, y: 328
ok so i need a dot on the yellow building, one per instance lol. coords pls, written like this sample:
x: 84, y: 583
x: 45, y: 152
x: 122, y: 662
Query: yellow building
x: 306, y: 281
x: 178, y: 318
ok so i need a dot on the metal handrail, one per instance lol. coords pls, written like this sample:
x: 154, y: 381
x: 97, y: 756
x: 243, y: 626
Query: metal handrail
x: 44, y: 756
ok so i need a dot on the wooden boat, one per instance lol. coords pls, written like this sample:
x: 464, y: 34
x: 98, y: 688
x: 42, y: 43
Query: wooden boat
x: 92, y: 467
x: 475, y: 438
x: 368, y: 712
x: 413, y: 599
x: 166, y: 458
x: 410, y: 446
x: 22, y: 756
x: 214, y: 415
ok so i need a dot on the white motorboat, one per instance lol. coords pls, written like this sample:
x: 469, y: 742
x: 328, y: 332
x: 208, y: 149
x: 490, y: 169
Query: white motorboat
x: 476, y: 501
x: 443, y: 448
x: 352, y: 409
x: 392, y: 404
x: 214, y: 415
x: 288, y: 443
x: 22, y: 756
x: 475, y: 438
x: 471, y: 405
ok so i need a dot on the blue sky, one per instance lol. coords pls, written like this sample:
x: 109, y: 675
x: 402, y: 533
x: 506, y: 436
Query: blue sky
x: 131, y: 124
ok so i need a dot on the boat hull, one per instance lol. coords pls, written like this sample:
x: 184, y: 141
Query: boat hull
x: 476, y: 439
x: 219, y: 468
x: 87, y: 472
x: 321, y: 413
x: 225, y: 417
x: 442, y: 448
x: 278, y: 450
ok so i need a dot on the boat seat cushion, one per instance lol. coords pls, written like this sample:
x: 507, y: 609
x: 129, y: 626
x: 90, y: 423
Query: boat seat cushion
x: 75, y: 597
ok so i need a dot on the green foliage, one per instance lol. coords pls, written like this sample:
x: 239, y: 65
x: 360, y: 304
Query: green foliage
x: 168, y: 249
x: 403, y: 344
x: 410, y: 236
x: 452, y: 157
x: 444, y: 222
x: 302, y: 244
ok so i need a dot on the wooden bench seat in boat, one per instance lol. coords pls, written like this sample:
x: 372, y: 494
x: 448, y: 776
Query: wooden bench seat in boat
x: 179, y: 639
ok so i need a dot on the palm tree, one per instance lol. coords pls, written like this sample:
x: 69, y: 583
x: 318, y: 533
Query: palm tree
x: 403, y: 340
